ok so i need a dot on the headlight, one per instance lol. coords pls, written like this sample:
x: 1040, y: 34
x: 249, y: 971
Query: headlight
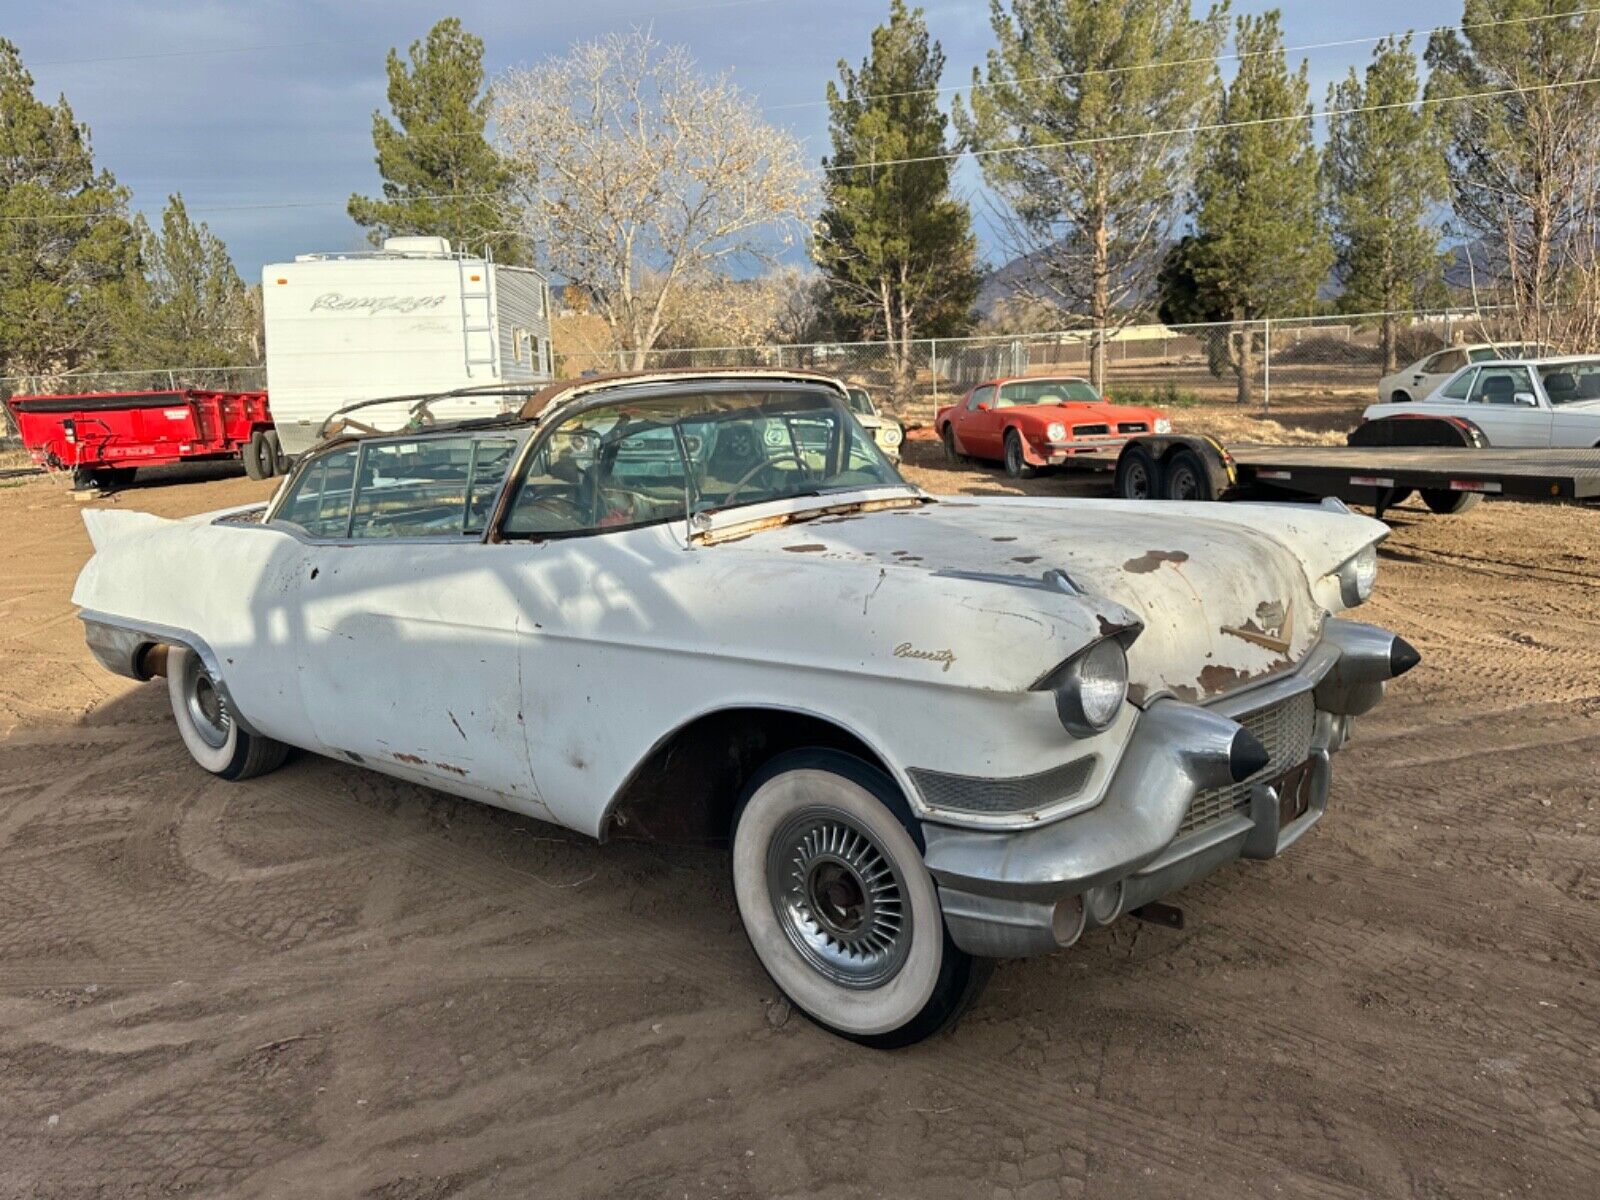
x: 1358, y: 575
x: 1163, y: 425
x: 889, y: 435
x: 1090, y: 688
x: 1057, y: 432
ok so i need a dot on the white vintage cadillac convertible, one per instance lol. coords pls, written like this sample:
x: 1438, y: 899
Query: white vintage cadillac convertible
x: 935, y: 731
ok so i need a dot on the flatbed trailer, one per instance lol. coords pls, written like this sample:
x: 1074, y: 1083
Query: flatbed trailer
x: 1449, y: 478
x: 102, y: 438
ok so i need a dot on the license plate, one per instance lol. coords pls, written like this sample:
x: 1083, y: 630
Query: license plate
x: 1294, y: 793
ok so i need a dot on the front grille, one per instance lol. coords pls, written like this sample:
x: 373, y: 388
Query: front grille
x: 1285, y: 730
x: 1130, y: 427
x: 1090, y: 430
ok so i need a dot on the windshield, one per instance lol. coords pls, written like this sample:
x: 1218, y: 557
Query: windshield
x: 1568, y: 382
x: 861, y: 403
x: 1048, y: 391
x: 642, y: 462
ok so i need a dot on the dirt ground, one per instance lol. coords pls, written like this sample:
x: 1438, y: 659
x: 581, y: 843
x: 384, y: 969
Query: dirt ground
x: 330, y: 983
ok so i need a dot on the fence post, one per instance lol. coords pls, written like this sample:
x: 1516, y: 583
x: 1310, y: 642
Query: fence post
x: 1266, y: 360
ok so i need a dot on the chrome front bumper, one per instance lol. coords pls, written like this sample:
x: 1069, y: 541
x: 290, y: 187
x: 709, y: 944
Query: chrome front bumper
x: 1015, y: 893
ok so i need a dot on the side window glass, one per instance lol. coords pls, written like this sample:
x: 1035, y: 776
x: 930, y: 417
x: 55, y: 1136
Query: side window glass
x: 1432, y: 366
x: 984, y: 395
x: 491, y: 459
x: 1500, y: 385
x: 320, y: 503
x: 412, y: 488
x: 1460, y: 388
x: 1452, y: 360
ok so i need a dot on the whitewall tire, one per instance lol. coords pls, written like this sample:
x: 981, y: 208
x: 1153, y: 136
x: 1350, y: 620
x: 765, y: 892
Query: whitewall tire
x: 838, y: 906
x: 209, y: 731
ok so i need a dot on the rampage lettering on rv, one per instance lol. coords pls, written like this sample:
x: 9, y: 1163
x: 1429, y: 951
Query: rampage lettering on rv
x: 372, y: 305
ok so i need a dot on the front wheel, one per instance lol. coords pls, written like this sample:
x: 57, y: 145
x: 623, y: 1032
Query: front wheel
x: 838, y: 906
x: 948, y: 438
x: 1016, y: 464
x: 209, y: 731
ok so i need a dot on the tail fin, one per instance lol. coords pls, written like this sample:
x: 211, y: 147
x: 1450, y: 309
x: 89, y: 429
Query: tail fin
x: 105, y: 525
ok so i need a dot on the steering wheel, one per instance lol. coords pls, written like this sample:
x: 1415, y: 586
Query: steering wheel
x: 761, y: 466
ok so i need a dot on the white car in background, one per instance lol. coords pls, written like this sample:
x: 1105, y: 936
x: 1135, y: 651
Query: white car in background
x: 886, y: 431
x: 1533, y: 402
x: 1424, y: 375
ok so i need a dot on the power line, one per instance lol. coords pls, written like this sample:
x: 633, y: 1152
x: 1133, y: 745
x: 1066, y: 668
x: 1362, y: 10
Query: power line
x: 1236, y: 56
x: 1211, y: 127
x: 166, y: 54
x: 1138, y: 135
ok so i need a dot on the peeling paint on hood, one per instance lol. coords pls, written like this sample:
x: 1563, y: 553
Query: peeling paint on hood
x: 1225, y: 593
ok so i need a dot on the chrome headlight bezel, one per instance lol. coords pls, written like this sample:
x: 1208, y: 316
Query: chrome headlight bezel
x: 1163, y: 425
x: 1090, y: 688
x: 1358, y: 575
x: 1055, y: 432
x: 889, y: 436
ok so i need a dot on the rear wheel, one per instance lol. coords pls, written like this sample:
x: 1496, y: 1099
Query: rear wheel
x: 209, y: 730
x: 1447, y: 503
x: 256, y: 457
x: 1138, y: 477
x: 1016, y: 464
x: 1186, y: 478
x: 838, y: 906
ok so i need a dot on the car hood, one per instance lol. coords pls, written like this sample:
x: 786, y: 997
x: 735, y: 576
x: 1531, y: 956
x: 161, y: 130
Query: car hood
x: 1080, y: 413
x: 1225, y: 594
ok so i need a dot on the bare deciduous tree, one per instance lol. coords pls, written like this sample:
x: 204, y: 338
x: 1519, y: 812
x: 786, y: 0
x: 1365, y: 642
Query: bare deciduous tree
x: 635, y: 173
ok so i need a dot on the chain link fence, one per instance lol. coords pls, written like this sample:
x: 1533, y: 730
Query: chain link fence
x: 1254, y: 362
x: 1339, y: 356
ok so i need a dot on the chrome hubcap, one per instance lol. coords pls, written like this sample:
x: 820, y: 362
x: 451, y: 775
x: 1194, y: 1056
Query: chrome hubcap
x: 839, y: 898
x: 207, y: 711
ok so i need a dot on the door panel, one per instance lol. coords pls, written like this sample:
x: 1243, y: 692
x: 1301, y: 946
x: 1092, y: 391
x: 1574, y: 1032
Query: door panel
x: 410, y: 661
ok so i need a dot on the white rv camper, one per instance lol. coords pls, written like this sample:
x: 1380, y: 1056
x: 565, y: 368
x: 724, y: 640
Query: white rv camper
x: 410, y: 318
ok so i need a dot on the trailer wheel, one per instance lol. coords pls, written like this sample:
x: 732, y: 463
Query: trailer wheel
x: 1138, y: 477
x: 255, y: 456
x: 209, y: 731
x: 1447, y: 503
x: 1186, y: 477
x: 280, y: 460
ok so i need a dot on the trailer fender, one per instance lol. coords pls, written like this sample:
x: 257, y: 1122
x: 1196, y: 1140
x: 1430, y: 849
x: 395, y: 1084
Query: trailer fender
x: 1161, y: 447
x: 1418, y: 429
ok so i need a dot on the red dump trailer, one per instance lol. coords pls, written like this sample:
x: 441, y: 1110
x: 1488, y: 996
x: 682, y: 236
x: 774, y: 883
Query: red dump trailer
x: 104, y: 437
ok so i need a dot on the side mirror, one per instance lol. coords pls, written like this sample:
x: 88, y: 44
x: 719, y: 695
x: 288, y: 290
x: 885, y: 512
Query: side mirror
x: 1527, y: 399
x: 983, y: 406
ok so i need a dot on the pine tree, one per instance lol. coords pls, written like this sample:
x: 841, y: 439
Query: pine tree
x: 1092, y: 200
x: 441, y: 177
x: 190, y: 308
x: 1524, y: 159
x: 1386, y: 180
x: 66, y: 247
x: 1260, y: 247
x: 895, y: 245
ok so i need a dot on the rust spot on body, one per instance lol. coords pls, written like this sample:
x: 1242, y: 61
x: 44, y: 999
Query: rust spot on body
x: 1151, y: 560
x: 1216, y: 679
x: 411, y: 760
x: 806, y: 548
x: 1026, y: 558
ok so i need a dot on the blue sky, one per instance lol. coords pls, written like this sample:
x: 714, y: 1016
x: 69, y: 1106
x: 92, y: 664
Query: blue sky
x: 270, y: 103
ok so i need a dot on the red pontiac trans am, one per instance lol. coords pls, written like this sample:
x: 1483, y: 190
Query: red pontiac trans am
x: 1040, y: 421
